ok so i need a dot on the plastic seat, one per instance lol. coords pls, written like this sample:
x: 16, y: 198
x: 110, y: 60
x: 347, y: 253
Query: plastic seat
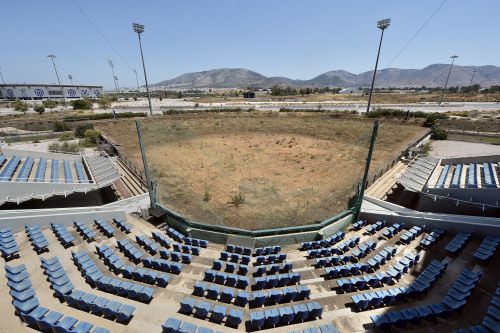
x: 218, y: 313
x: 257, y: 319
x: 227, y: 295
x: 110, y: 309
x: 171, y: 326
x: 272, y: 317
x: 146, y: 294
x: 202, y: 309
x: 286, y: 314
x: 259, y: 298
x: 301, y: 312
x: 31, y: 317
x: 48, y: 321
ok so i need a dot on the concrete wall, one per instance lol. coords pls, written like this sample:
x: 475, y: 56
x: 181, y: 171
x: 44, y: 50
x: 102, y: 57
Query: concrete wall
x: 17, y: 219
x: 37, y: 154
x: 454, y: 223
x: 488, y: 196
x: 471, y: 159
x: 131, y: 205
x: 12, y: 191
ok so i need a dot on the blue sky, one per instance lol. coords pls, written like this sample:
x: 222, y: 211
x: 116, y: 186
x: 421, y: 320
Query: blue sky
x: 297, y: 39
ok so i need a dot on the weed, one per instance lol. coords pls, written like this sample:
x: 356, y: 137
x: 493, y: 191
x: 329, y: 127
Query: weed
x: 207, y: 196
x: 237, y: 199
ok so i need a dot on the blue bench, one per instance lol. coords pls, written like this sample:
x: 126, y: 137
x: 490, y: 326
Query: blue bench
x: 25, y: 170
x: 9, y: 168
x: 40, y: 170
x: 80, y: 172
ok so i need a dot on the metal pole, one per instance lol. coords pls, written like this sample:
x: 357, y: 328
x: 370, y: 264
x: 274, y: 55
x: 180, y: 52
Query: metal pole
x: 472, y: 78
x: 137, y: 79
x: 145, y: 162
x: 446, y: 84
x: 62, y: 91
x: 114, y: 79
x: 375, y: 72
x: 2, y: 76
x: 145, y: 76
x: 367, y: 168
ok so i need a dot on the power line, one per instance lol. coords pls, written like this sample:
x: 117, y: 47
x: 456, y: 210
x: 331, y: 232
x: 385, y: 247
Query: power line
x: 103, y: 37
x: 415, y: 35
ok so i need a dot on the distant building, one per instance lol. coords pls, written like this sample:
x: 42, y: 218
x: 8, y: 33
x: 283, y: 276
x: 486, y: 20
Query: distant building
x: 351, y: 91
x: 47, y: 91
x: 249, y: 94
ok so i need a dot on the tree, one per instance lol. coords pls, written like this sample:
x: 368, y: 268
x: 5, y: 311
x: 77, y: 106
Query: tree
x: 104, y: 101
x: 39, y: 108
x: 276, y: 91
x: 49, y: 104
x: 438, y: 134
x: 179, y: 94
x: 431, y: 119
x: 81, y: 129
x: 20, y: 106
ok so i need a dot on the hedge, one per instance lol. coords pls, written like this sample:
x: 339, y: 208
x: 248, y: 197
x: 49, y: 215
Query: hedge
x: 109, y: 115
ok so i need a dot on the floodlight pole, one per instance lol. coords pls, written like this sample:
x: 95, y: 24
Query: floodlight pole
x: 114, y: 76
x: 2, y: 75
x: 71, y: 79
x: 139, y: 28
x: 446, y: 84
x: 367, y: 169
x: 136, y: 79
x: 472, y: 78
x: 51, y: 56
x: 382, y: 25
x: 145, y: 163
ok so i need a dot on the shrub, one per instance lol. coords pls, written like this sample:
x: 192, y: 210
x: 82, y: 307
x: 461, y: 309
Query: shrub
x: 80, y: 104
x: 107, y: 115
x: 431, y: 119
x: 80, y: 130
x: 92, y: 136
x: 60, y: 126
x: 66, y: 137
x: 49, y: 104
x: 66, y: 147
x: 20, y: 106
x: 438, y: 134
x: 207, y: 196
x: 104, y: 101
x: 237, y: 199
x: 39, y: 108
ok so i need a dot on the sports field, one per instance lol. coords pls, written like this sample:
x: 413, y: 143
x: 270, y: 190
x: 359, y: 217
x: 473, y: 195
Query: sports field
x: 289, y: 169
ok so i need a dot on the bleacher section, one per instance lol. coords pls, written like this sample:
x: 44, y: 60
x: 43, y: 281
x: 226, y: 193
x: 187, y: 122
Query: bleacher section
x: 373, y: 276
x: 477, y: 175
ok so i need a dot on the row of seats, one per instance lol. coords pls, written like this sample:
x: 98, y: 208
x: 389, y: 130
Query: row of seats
x: 275, y: 296
x: 95, y: 277
x: 173, y: 325
x: 37, y: 237
x: 28, y: 307
x: 358, y: 225
x: 239, y: 249
x: 274, y: 280
x: 176, y: 256
x: 231, y: 267
x: 9, y: 168
x: 40, y: 170
x: 491, y: 321
x: 392, y: 230
x: 286, y: 315
x: 226, y: 295
x: 433, y: 237
x: 129, y: 250
x: 418, y: 287
x: 8, y: 244
x: 162, y: 239
x: 328, y: 328
x: 487, y: 248
x: 455, y: 300
x: 411, y: 234
x: 230, y: 280
x: 235, y: 257
x: 457, y: 176
x: 186, y: 248
x: 80, y: 173
x: 147, y: 244
x: 196, y: 242
x: 162, y: 265
x: 84, y: 230
x: 472, y: 177
x: 323, y: 243
x: 443, y: 176
x: 68, y: 177
x: 54, y: 171
x: 172, y: 233
x: 58, y: 278
x: 123, y: 225
x: 104, y: 227
x: 274, y: 268
x: 458, y: 242
x: 84, y: 301
x: 270, y: 258
x: 62, y: 233
x: 234, y: 318
x: 377, y: 226
x: 24, y: 173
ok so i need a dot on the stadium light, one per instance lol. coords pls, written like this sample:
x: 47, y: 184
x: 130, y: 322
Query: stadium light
x: 446, y: 84
x: 114, y: 77
x: 382, y: 25
x: 2, y: 75
x: 139, y: 28
x: 136, y: 79
x: 472, y: 78
x: 116, y: 80
x: 51, y: 56
x: 71, y: 78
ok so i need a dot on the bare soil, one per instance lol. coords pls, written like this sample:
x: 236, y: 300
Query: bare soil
x: 291, y: 169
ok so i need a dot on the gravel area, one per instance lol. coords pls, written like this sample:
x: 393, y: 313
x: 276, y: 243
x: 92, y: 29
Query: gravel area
x: 448, y: 148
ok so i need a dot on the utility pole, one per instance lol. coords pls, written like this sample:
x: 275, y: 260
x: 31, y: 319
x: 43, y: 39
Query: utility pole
x: 51, y: 56
x: 446, y: 84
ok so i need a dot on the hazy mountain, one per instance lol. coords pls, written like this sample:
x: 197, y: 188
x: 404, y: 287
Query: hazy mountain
x: 430, y: 76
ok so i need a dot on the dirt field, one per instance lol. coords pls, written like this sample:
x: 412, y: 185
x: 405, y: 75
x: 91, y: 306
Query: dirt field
x: 291, y: 169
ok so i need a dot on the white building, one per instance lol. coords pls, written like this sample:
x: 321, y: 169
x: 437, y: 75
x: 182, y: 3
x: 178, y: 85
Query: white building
x: 47, y: 91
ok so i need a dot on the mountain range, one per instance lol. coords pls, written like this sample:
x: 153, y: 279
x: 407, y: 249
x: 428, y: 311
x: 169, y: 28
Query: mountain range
x: 430, y: 76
